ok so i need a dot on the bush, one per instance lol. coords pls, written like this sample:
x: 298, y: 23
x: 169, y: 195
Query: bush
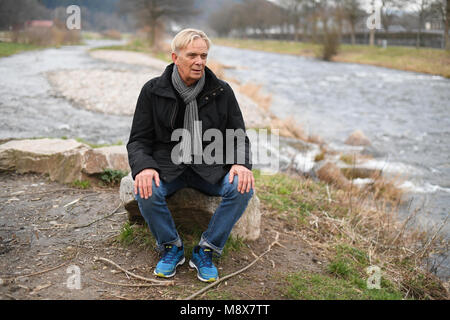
x: 330, y: 45
x: 112, y: 34
x: 43, y: 36
x: 112, y: 177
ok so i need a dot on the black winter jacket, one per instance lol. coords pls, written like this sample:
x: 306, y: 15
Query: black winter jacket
x: 150, y: 144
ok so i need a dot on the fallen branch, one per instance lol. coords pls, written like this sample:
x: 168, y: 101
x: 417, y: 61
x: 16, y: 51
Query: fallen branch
x: 99, y: 219
x: 159, y: 282
x: 120, y: 297
x: 33, y: 274
x: 127, y: 285
x: 275, y: 242
x: 41, y: 287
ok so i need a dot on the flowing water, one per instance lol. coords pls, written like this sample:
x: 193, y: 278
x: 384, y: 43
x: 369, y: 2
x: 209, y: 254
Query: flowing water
x: 30, y: 108
x: 406, y: 116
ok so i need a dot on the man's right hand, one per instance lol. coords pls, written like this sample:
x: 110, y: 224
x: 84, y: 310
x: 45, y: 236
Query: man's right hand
x: 143, y: 182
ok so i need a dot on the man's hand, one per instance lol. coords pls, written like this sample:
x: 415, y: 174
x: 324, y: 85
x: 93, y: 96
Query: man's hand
x: 143, y: 182
x: 245, y: 178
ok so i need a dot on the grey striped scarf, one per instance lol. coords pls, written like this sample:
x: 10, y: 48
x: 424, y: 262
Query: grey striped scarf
x: 191, y: 120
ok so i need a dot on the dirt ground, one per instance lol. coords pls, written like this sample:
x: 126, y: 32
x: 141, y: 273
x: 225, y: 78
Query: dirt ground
x: 46, y: 230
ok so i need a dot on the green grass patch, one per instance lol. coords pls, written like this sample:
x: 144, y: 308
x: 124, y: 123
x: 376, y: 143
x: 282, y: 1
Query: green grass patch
x: 10, y: 48
x: 136, y: 45
x: 292, y: 197
x: 139, y: 45
x: 81, y: 184
x: 136, y: 235
x: 306, y: 285
x: 350, y: 265
x: 112, y: 177
x: 425, y: 60
x: 96, y: 145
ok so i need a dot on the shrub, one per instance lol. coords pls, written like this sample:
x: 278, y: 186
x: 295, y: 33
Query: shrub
x: 112, y: 177
x: 330, y: 45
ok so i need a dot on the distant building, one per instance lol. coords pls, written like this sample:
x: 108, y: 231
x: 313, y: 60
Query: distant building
x: 39, y: 24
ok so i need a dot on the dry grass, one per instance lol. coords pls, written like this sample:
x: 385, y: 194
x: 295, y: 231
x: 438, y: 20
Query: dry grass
x: 217, y: 68
x: 328, y: 218
x: 112, y: 34
x: 253, y: 91
x: 54, y: 36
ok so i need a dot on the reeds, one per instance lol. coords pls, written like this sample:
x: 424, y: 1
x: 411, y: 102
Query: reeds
x: 43, y: 36
x: 358, y: 218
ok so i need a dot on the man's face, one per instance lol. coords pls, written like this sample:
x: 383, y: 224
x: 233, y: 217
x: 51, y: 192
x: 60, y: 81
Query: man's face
x: 191, y: 61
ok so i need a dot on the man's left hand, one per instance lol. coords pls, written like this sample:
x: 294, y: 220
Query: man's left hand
x: 246, y: 181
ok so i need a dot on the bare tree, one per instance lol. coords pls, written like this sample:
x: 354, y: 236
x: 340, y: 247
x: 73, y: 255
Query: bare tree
x: 353, y: 12
x: 295, y: 10
x: 442, y: 9
x: 389, y: 11
x: 152, y: 12
x: 13, y: 13
x: 221, y: 21
x: 422, y: 9
x: 260, y: 15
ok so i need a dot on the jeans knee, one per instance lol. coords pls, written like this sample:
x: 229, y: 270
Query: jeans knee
x: 157, y: 195
x: 232, y: 190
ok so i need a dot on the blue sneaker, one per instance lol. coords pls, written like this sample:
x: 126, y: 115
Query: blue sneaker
x: 202, y: 261
x: 173, y: 257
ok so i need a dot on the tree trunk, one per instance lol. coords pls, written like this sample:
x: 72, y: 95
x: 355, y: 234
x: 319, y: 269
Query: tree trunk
x: 419, y: 32
x: 151, y: 34
x: 353, y: 34
x: 447, y: 20
x: 314, y: 29
x: 296, y: 31
x: 372, y: 37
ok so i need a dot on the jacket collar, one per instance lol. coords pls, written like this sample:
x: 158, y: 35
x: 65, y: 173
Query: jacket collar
x: 163, y: 86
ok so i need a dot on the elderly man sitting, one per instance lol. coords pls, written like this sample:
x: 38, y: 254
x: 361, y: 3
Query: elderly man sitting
x: 188, y: 97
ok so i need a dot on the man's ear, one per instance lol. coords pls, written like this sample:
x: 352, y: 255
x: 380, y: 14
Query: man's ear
x: 174, y: 57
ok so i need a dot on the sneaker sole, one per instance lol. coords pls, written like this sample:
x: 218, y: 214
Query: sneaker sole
x: 162, y: 275
x: 192, y: 265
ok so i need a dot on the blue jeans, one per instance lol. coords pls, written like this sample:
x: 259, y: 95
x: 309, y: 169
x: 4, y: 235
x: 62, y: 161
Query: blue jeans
x: 160, y: 221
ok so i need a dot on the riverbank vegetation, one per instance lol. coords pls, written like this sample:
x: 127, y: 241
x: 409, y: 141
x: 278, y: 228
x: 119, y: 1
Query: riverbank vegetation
x: 353, y: 231
x: 138, y: 44
x: 425, y: 60
x: 8, y: 48
x: 350, y: 234
x: 33, y: 38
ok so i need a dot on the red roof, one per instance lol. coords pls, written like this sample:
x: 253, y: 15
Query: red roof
x: 40, y: 23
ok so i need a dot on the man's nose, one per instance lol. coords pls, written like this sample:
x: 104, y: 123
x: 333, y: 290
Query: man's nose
x: 198, y: 60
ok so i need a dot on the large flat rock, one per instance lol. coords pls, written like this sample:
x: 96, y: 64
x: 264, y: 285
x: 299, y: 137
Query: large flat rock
x: 63, y: 160
x: 189, y: 206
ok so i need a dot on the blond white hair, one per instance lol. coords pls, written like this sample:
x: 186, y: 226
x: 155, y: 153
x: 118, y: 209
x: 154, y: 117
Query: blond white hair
x: 186, y: 36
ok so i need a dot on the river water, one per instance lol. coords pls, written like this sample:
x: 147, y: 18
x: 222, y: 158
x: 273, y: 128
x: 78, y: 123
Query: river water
x: 404, y: 114
x: 30, y: 108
